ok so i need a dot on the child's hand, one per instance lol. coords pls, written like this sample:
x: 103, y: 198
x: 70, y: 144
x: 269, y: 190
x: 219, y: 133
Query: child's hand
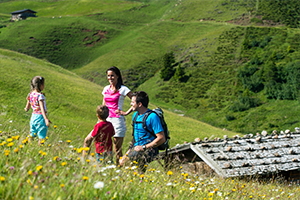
x: 47, y: 122
x: 26, y: 109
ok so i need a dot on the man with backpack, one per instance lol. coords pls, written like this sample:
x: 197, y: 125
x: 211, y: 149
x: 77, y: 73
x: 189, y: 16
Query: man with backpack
x: 147, y: 139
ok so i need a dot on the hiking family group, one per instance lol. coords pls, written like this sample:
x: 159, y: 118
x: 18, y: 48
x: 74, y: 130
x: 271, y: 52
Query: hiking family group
x: 150, y: 133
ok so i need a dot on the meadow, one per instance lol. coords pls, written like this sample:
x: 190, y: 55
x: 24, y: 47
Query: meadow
x: 72, y: 43
x: 56, y: 169
x: 208, y: 40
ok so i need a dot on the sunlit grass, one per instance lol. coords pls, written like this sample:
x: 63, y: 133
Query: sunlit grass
x: 56, y: 170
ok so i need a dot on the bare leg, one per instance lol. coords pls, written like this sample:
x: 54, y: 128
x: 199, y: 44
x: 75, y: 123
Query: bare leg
x: 118, y: 141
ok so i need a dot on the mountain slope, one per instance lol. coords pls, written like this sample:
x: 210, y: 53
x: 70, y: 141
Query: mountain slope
x: 71, y: 102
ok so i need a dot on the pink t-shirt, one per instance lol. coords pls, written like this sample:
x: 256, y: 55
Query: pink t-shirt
x: 103, y: 132
x: 34, y: 98
x: 115, y: 100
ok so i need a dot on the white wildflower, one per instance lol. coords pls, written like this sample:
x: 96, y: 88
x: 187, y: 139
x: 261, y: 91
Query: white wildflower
x: 99, y: 185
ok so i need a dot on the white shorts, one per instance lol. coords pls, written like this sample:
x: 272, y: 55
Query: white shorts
x: 119, y: 125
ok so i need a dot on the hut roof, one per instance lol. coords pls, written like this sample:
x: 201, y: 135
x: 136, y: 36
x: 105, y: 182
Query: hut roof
x: 22, y: 11
x: 248, y: 155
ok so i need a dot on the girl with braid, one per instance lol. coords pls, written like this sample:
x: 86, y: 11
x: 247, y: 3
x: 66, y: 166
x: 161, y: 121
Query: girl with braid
x: 39, y: 121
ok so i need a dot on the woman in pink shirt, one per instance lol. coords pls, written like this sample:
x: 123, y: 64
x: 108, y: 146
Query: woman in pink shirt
x: 113, y: 97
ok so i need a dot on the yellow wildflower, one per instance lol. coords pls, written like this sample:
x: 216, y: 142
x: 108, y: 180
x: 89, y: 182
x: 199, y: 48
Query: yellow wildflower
x: 55, y: 126
x: 21, y: 146
x: 9, y: 140
x: 10, y: 144
x: 169, y: 173
x: 85, y: 178
x: 16, y: 150
x: 62, y: 185
x: 54, y: 159
x: 86, y: 148
x: 38, y: 168
x: 36, y: 187
x: 68, y: 141
x: 87, y: 160
x: 30, y: 172
x: 63, y: 163
x: 2, y: 178
x: 92, y: 154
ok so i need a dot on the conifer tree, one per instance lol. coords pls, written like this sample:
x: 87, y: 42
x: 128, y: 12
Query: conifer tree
x: 179, y: 73
x: 167, y: 72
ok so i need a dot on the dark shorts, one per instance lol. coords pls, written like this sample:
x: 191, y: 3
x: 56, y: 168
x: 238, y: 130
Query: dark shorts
x: 143, y: 157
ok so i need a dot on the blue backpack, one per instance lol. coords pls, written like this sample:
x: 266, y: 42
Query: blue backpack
x: 159, y: 113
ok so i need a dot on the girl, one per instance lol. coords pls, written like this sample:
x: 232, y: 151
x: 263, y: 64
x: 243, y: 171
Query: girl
x: 113, y: 97
x: 39, y: 121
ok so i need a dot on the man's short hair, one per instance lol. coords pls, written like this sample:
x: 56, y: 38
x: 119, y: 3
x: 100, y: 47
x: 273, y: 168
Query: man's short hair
x: 142, y: 97
x: 102, y: 111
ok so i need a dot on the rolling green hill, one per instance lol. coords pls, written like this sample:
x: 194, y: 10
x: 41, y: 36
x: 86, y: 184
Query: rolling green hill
x: 240, y: 58
x: 71, y: 102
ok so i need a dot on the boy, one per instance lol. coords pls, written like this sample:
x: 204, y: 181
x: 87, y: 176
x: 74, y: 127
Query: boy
x: 102, y: 134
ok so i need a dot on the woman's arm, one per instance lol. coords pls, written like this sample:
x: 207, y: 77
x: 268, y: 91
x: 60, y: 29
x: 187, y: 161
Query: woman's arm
x: 121, y: 112
x: 42, y: 105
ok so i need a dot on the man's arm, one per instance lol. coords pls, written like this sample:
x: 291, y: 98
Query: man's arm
x: 160, y: 139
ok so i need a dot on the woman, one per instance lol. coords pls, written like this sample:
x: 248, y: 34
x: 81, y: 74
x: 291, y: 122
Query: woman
x: 113, y: 97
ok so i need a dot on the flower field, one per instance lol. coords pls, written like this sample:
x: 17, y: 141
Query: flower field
x: 56, y: 170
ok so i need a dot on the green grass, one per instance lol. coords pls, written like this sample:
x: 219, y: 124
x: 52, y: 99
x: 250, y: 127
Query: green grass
x: 56, y: 170
x: 71, y: 100
x: 55, y: 8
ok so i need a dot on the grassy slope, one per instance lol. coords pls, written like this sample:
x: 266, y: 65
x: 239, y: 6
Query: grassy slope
x: 71, y: 101
x: 141, y: 32
x: 67, y: 7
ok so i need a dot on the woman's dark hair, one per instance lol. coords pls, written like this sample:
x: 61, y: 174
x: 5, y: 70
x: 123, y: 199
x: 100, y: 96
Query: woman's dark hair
x: 142, y: 97
x: 118, y: 73
x: 36, y: 83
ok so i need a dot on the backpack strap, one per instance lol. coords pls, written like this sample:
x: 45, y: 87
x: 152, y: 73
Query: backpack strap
x: 148, y: 112
x: 145, y: 125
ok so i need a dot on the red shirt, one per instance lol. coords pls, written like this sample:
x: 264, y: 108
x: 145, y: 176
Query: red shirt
x: 103, y: 132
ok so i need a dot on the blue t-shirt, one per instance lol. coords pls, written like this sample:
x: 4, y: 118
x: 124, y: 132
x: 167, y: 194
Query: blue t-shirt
x: 141, y: 136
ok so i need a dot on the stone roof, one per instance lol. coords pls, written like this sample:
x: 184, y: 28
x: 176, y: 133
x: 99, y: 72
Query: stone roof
x: 248, y: 155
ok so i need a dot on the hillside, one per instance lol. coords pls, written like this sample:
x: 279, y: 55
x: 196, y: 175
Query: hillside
x: 240, y: 58
x: 71, y: 102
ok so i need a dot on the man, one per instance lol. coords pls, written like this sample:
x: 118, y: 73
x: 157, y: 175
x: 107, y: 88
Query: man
x: 143, y: 147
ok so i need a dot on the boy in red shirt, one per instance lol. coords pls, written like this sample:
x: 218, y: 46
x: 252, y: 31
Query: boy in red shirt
x: 102, y: 134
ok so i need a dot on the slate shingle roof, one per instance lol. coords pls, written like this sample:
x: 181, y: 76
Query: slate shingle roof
x: 248, y: 155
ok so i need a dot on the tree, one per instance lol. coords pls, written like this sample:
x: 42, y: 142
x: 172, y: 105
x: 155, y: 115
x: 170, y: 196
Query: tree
x: 167, y: 72
x: 179, y: 73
